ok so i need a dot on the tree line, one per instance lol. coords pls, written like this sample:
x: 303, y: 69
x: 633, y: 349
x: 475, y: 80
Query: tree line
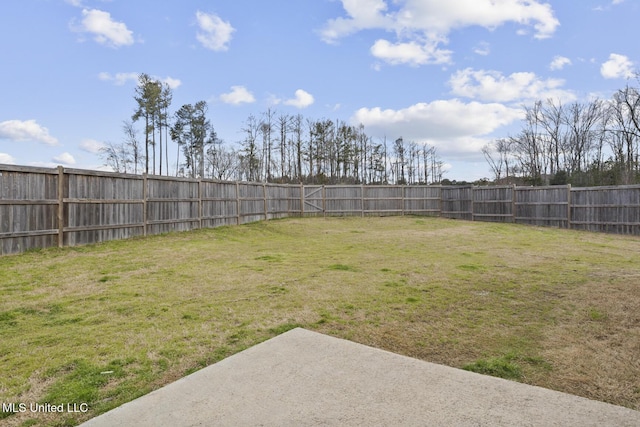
x: 275, y: 147
x: 580, y: 143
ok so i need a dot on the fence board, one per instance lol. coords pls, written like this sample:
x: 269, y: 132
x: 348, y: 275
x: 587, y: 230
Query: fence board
x: 42, y: 207
x: 282, y: 200
x: 543, y: 206
x: 172, y: 204
x: 457, y: 202
x: 494, y: 204
x: 252, y: 202
x: 383, y: 200
x: 343, y: 200
x: 219, y: 203
x: 608, y: 209
x: 28, y: 209
x: 422, y: 200
x: 101, y: 206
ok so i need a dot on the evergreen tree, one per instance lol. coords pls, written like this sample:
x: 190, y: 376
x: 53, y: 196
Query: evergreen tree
x: 193, y: 132
x: 147, y: 96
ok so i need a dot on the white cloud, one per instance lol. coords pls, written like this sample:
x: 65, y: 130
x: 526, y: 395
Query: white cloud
x: 412, y: 53
x: 50, y: 165
x: 559, y: 62
x: 445, y: 16
x: 454, y: 127
x: 119, y: 79
x: 238, y: 95
x: 102, y: 168
x: 421, y: 26
x: 27, y: 130
x: 494, y: 87
x: 215, y: 34
x: 618, y: 66
x: 171, y: 82
x: 303, y: 99
x: 105, y: 30
x: 482, y: 48
x: 65, y: 159
x: 601, y: 8
x: 7, y: 159
x: 362, y: 14
x: 91, y: 146
x: 273, y: 100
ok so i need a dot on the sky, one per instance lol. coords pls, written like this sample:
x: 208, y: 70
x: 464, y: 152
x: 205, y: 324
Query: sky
x: 452, y: 74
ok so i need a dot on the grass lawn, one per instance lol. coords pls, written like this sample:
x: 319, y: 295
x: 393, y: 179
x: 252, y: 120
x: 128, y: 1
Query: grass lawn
x: 104, y: 324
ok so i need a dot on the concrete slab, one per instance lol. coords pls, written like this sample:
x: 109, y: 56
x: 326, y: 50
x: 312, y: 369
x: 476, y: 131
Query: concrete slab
x: 303, y: 378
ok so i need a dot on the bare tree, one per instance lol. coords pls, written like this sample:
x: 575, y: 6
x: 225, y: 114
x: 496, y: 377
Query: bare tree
x: 283, y: 123
x: 498, y: 154
x: 321, y: 135
x: 625, y: 111
x: 266, y: 129
x: 222, y: 162
x: 133, y: 145
x: 425, y: 163
x: 581, y: 120
x: 551, y: 119
x: 296, y: 128
x: 250, y: 159
x: 364, y: 147
x: 399, y: 150
x: 117, y: 157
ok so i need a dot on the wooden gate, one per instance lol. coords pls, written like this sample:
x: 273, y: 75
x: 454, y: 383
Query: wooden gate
x: 313, y: 200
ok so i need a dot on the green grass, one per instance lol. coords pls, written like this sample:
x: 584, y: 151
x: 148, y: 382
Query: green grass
x: 503, y: 367
x: 596, y: 315
x: 341, y: 267
x: 104, y: 324
x: 510, y: 366
x: 80, y: 381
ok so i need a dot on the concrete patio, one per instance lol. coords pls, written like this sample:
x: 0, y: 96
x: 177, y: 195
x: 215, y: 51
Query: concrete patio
x: 303, y: 378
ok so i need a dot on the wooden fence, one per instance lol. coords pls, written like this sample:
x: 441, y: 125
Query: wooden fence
x: 42, y: 208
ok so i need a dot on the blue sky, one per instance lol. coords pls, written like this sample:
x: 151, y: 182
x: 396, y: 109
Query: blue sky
x: 451, y: 74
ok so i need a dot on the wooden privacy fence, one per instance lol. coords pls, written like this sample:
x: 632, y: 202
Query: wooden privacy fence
x: 42, y: 207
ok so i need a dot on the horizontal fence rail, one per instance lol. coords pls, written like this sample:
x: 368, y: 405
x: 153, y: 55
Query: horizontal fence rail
x: 42, y: 207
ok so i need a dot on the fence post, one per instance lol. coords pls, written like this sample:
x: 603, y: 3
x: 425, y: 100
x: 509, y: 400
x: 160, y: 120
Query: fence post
x: 404, y: 187
x: 513, y: 204
x: 301, y: 200
x: 569, y: 206
x: 145, y: 197
x: 473, y: 196
x: 200, y: 203
x: 60, y: 206
x: 238, y: 202
x: 362, y: 199
x: 264, y: 195
x: 324, y: 206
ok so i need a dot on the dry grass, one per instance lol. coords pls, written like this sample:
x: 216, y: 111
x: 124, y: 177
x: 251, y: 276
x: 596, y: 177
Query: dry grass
x: 560, y: 307
x: 595, y: 351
